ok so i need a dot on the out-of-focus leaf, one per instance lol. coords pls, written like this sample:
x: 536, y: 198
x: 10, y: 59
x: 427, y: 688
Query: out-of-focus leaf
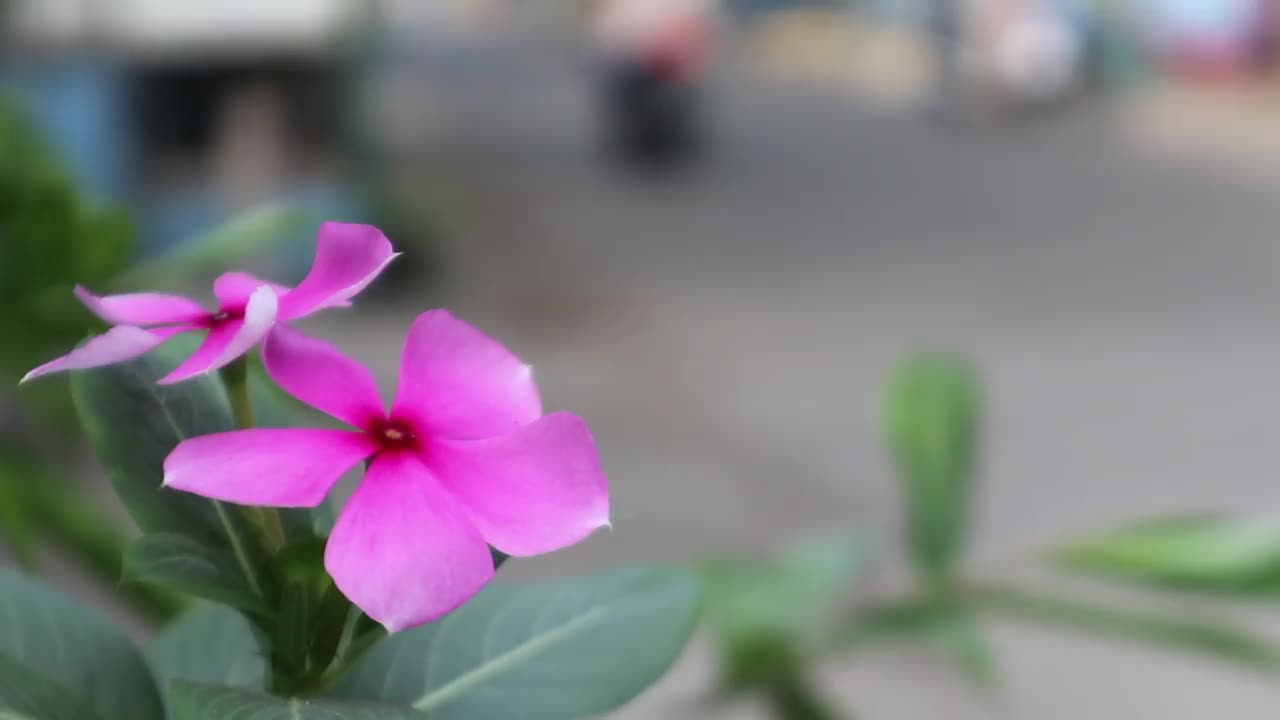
x: 133, y: 423
x: 552, y: 651
x: 932, y: 426
x: 179, y: 562
x: 944, y: 626
x: 25, y: 695
x: 226, y: 245
x: 209, y: 644
x: 53, y: 637
x: 47, y: 508
x: 51, y: 238
x: 795, y: 699
x: 786, y: 595
x: 958, y: 635
x: 192, y: 701
x: 1219, y: 641
x: 766, y: 614
x: 17, y: 529
x: 1196, y: 553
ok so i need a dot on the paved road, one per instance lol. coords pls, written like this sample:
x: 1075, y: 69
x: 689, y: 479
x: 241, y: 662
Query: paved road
x: 725, y: 331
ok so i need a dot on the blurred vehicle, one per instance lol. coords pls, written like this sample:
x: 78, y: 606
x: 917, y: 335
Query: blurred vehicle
x: 654, y: 56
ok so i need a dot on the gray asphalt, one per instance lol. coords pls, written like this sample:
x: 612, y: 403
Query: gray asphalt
x: 725, y: 331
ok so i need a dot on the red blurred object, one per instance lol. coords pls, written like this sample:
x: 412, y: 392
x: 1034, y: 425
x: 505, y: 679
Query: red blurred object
x: 679, y: 52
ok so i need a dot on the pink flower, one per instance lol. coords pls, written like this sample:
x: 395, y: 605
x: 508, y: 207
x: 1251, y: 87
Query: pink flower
x: 348, y: 257
x: 463, y: 460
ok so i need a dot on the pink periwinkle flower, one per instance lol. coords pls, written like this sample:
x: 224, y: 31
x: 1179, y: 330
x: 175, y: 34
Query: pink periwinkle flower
x: 348, y: 258
x: 464, y: 459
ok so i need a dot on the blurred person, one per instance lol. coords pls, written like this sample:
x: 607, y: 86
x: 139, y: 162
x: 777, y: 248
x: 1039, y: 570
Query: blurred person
x: 653, y: 55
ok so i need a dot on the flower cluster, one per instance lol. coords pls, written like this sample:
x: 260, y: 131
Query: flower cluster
x: 463, y: 460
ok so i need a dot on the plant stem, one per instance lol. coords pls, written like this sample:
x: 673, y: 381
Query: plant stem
x: 235, y: 376
x: 1215, y: 639
x: 793, y: 699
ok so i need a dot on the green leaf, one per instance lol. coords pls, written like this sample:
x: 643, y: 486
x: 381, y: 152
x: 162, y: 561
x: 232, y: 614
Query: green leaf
x: 72, y: 519
x: 177, y: 561
x: 554, y: 651
x: 943, y: 626
x: 932, y: 424
x: 1215, y: 640
x: 133, y: 424
x: 209, y: 644
x: 51, y: 636
x: 1196, y: 553
x: 193, y: 701
x: 17, y: 520
x: 25, y: 695
x: 766, y: 614
x: 959, y: 636
x: 786, y: 595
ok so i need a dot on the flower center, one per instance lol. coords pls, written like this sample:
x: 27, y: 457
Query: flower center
x: 213, y: 320
x: 395, y: 434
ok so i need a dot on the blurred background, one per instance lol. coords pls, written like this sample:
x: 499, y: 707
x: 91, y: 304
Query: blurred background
x: 711, y: 228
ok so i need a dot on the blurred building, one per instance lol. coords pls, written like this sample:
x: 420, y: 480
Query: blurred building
x: 191, y: 110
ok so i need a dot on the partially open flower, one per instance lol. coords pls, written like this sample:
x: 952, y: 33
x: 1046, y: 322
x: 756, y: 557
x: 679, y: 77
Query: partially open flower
x: 348, y: 258
x: 464, y: 459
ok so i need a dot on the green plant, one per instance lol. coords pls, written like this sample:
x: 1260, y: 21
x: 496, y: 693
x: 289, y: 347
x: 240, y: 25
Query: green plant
x: 774, y: 619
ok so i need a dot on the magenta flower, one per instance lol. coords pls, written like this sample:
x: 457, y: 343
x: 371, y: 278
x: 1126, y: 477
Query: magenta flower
x: 463, y: 460
x: 348, y: 258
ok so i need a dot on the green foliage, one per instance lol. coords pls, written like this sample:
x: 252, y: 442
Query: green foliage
x: 205, y: 548
x: 192, y: 701
x: 768, y: 614
x: 134, y: 423
x: 25, y: 695
x: 53, y: 644
x: 1215, y: 640
x: 209, y: 644
x: 1195, y: 553
x: 50, y: 239
x: 932, y: 426
x: 198, y: 569
x: 945, y: 626
x: 558, y: 650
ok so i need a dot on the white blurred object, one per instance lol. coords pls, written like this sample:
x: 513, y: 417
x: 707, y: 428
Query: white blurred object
x: 180, y: 27
x: 1038, y: 54
x: 624, y: 26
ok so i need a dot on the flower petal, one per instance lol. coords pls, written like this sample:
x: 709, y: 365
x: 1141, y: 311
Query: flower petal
x: 319, y: 375
x: 233, y: 290
x: 403, y: 550
x: 537, y: 489
x: 348, y: 258
x: 272, y: 467
x: 455, y: 381
x: 230, y: 339
x: 142, y: 308
x: 120, y: 343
